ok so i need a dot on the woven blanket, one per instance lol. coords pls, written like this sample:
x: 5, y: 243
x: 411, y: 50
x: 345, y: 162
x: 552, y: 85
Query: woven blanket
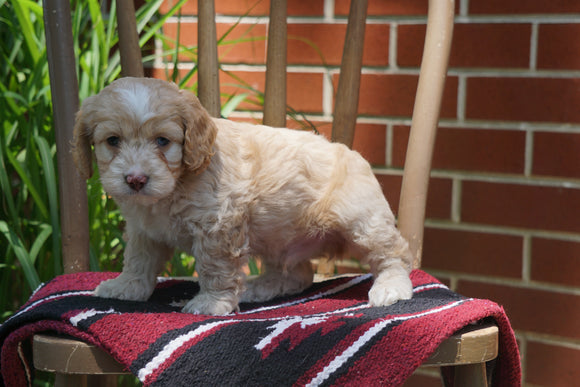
x: 327, y: 335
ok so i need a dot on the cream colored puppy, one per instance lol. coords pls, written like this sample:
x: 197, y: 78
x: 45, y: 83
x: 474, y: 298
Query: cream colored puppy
x: 224, y: 191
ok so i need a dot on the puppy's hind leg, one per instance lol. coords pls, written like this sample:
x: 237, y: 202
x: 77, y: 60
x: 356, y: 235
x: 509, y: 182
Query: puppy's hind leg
x: 390, y: 260
x: 278, y: 281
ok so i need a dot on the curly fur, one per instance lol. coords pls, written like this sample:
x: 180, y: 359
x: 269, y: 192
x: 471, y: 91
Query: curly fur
x: 224, y: 191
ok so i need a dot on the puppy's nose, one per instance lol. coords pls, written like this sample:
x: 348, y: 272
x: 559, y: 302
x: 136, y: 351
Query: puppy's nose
x: 136, y: 182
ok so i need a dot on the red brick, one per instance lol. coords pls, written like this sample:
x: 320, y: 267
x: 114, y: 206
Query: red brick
x: 529, y: 309
x: 472, y: 252
x: 391, y: 185
x: 244, y: 44
x: 552, y: 365
x: 319, y: 44
x: 310, y: 44
x: 304, y: 90
x: 474, y: 45
x: 557, y: 154
x: 394, y: 95
x: 527, y: 206
x: 523, y: 7
x: 251, y: 7
x: 559, y: 46
x: 438, y: 199
x: 381, y: 7
x: 523, y: 99
x: 555, y: 261
x: 370, y: 142
x: 469, y: 149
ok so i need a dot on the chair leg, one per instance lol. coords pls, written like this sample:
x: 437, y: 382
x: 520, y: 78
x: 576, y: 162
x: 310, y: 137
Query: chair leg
x: 65, y: 380
x: 473, y: 375
x: 76, y: 380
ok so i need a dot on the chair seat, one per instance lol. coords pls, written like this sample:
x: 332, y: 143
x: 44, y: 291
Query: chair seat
x: 473, y: 344
x: 62, y: 354
x: 328, y: 332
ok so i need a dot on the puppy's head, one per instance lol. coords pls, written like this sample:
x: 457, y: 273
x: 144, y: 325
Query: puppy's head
x: 146, y: 134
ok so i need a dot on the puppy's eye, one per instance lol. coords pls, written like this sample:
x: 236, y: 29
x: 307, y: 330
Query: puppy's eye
x: 113, y: 141
x: 162, y: 141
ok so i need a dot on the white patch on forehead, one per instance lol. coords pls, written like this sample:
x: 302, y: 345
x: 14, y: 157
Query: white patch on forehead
x: 137, y: 98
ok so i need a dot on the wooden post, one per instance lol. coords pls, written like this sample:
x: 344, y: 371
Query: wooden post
x: 346, y: 105
x: 275, y: 93
x: 65, y: 101
x: 131, y: 61
x: 207, y: 58
x: 424, y: 124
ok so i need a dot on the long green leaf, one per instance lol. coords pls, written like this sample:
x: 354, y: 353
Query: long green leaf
x: 22, y: 10
x: 5, y: 183
x: 28, y: 184
x: 159, y: 23
x: 45, y: 231
x: 52, y: 190
x: 98, y: 31
x: 22, y: 255
x: 232, y: 104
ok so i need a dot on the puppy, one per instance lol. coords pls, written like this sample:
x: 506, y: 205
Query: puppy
x: 224, y: 191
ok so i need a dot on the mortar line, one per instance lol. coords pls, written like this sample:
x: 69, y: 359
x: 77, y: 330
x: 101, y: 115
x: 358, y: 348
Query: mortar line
x: 461, y: 97
x: 328, y: 10
x: 502, y: 230
x: 393, y: 32
x: 389, y: 146
x: 327, y: 95
x: 456, y: 193
x: 464, y: 8
x: 507, y: 281
x: 527, y: 258
x: 529, y: 153
x: 550, y: 340
x: 534, y: 47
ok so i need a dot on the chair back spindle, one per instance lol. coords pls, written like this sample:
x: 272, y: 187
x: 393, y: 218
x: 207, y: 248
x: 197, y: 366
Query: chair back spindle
x: 129, y: 49
x: 74, y: 218
x: 424, y: 124
x: 275, y: 91
x: 207, y: 58
x: 346, y: 104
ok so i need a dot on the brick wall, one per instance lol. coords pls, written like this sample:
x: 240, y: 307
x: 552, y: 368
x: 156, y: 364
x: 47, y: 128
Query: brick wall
x: 504, y: 204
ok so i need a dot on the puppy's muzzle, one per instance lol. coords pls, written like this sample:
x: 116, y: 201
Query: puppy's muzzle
x: 136, y: 182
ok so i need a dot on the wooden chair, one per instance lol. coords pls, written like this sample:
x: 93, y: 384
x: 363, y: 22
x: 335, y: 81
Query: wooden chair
x: 78, y: 363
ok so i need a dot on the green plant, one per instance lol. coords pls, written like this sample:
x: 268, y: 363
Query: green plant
x: 29, y: 223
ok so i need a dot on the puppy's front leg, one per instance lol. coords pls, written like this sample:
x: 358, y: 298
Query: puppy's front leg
x: 143, y: 260
x: 221, y: 282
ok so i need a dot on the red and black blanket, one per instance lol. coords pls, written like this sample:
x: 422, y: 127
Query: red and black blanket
x: 328, y: 335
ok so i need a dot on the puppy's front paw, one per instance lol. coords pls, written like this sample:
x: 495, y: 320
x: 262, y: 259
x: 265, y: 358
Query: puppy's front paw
x: 388, y: 289
x: 205, y: 303
x: 126, y: 288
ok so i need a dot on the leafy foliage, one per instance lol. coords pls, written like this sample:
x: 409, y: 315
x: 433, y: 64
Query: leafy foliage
x: 29, y: 209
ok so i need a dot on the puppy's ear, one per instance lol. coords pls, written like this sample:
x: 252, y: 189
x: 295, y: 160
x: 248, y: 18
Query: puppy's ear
x: 81, y: 147
x: 200, y: 133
